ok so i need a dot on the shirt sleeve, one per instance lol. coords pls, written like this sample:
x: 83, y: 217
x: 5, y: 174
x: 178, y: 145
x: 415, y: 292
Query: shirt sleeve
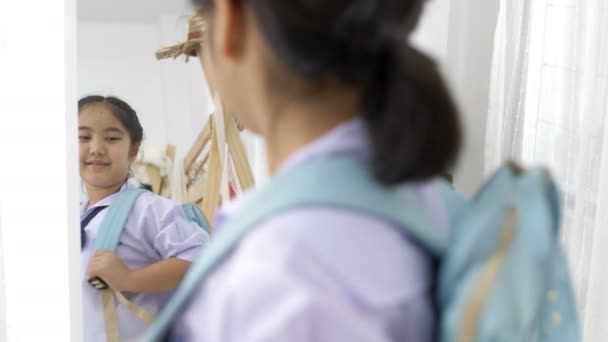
x: 180, y: 238
x: 167, y: 231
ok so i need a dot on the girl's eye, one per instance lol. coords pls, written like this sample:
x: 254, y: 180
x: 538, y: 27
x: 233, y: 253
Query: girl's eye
x: 83, y: 138
x: 112, y: 139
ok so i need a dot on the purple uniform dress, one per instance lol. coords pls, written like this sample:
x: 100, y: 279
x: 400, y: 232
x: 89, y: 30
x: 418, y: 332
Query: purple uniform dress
x: 156, y: 229
x: 319, y: 274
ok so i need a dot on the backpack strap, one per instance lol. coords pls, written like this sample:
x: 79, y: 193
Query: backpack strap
x: 112, y: 226
x: 339, y: 183
x: 115, y: 219
x: 194, y: 213
x: 454, y: 203
x: 108, y: 237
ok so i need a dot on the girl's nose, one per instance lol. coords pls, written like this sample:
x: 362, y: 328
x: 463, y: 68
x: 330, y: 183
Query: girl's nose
x: 97, y: 147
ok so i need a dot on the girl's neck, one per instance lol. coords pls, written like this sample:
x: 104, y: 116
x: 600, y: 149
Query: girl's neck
x: 297, y: 125
x: 97, y: 194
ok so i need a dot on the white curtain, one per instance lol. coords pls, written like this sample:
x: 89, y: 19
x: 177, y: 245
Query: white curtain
x: 549, y: 105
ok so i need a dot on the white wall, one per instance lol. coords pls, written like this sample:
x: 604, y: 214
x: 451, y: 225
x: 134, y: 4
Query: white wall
x: 432, y: 33
x: 170, y: 96
x: 472, y: 24
x: 460, y: 36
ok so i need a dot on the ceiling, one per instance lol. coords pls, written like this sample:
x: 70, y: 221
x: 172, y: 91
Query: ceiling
x: 130, y: 11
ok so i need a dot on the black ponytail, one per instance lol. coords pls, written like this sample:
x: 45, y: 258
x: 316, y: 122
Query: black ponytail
x: 411, y: 118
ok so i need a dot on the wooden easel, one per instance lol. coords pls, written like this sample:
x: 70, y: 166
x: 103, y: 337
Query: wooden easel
x: 203, y: 188
x: 207, y: 151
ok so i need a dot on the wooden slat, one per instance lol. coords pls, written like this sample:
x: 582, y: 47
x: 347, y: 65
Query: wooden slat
x: 213, y: 179
x: 198, y: 145
x: 200, y: 166
x: 210, y: 186
x: 196, y: 192
x: 237, y: 151
x: 170, y: 151
x: 209, y: 85
x: 165, y: 187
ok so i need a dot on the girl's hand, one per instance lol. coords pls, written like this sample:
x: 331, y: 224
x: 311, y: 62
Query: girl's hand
x: 111, y: 269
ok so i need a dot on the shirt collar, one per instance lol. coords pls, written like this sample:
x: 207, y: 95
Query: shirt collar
x: 129, y: 184
x: 347, y: 139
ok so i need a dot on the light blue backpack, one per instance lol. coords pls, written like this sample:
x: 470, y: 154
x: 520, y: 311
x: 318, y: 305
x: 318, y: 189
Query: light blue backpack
x: 502, y: 275
x: 115, y: 219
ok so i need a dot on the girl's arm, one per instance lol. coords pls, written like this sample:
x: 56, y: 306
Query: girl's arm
x: 160, y: 276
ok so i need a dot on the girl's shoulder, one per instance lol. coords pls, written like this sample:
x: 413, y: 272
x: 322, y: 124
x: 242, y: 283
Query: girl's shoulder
x: 343, y: 247
x: 151, y: 201
x: 152, y: 207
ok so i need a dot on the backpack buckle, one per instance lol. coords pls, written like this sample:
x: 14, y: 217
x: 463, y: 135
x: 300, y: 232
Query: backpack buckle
x: 98, y: 283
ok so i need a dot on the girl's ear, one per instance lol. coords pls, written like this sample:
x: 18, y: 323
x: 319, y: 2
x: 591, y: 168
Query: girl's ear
x: 133, y: 153
x: 228, y: 28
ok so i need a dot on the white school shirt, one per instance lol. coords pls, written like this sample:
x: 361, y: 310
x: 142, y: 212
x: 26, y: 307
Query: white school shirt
x: 156, y: 229
x: 319, y: 274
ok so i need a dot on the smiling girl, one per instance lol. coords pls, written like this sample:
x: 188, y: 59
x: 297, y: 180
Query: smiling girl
x: 158, y: 241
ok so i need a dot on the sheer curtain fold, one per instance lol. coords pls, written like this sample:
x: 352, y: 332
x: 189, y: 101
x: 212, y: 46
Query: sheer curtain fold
x: 548, y: 105
x: 507, y: 96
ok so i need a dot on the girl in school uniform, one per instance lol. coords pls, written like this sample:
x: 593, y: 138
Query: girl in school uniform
x: 158, y: 242
x: 326, y: 79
